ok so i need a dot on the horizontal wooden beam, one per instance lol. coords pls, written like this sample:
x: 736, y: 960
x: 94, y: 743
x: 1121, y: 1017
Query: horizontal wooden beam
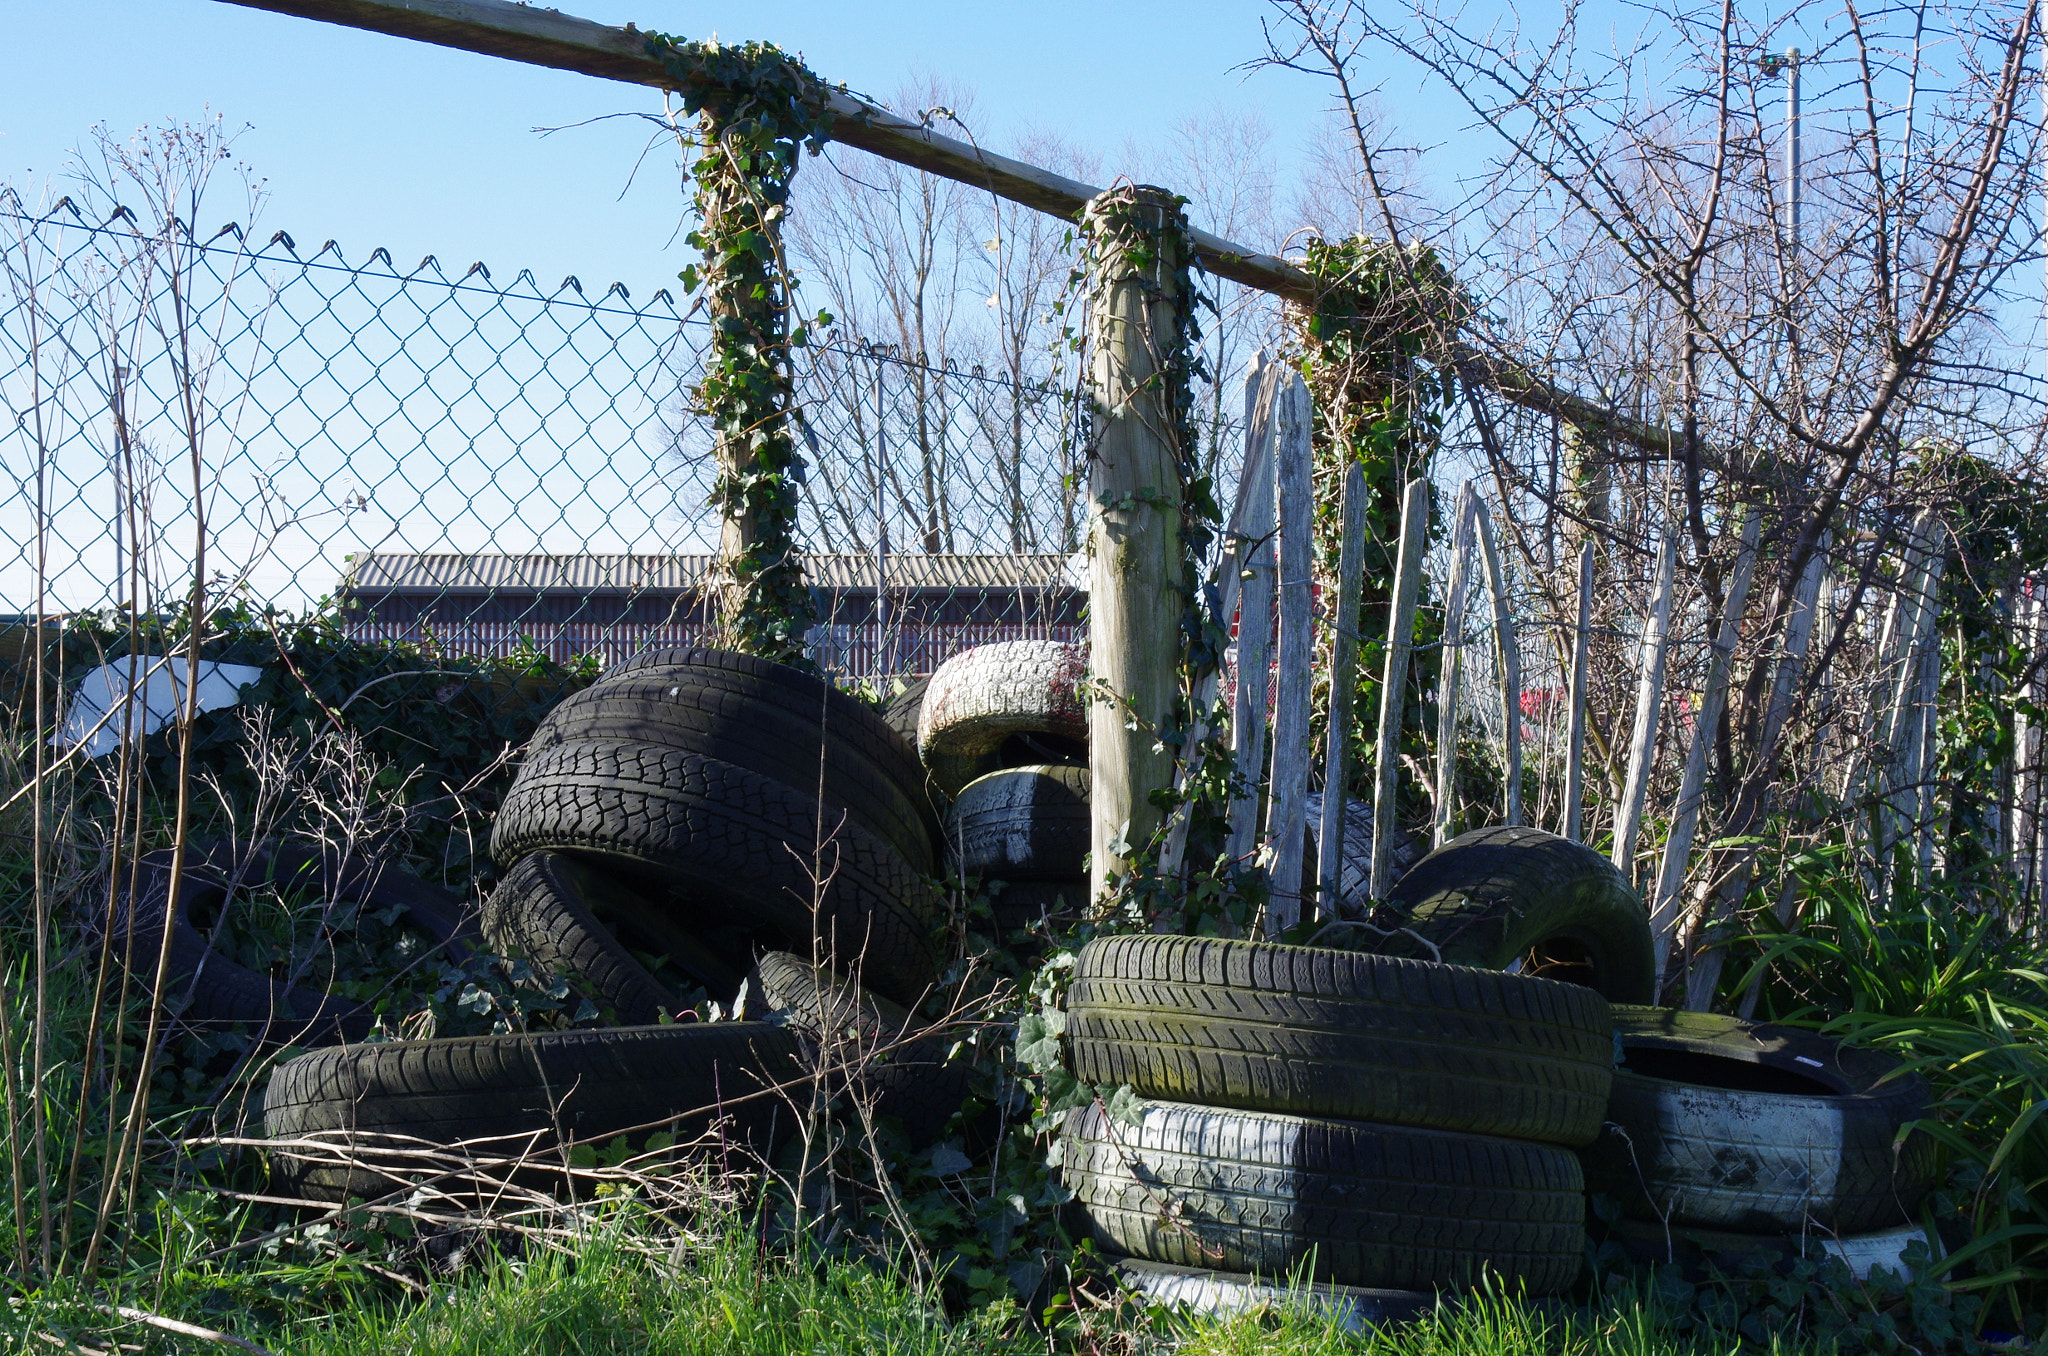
x: 546, y: 37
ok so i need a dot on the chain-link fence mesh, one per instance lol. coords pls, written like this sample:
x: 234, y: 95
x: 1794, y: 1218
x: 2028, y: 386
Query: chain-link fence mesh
x: 481, y: 467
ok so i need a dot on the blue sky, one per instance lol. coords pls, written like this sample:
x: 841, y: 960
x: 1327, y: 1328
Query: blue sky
x: 371, y: 140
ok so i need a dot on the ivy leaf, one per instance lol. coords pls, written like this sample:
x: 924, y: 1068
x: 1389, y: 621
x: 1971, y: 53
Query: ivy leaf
x: 948, y: 1161
x: 1038, y: 1039
x: 1126, y: 1107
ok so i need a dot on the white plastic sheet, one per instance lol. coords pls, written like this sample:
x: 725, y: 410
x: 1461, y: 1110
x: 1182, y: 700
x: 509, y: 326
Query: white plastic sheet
x: 130, y: 698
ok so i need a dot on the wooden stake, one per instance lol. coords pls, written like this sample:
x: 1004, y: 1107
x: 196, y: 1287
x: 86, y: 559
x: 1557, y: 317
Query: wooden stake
x: 1343, y: 686
x: 1685, y: 815
x: 1456, y: 588
x: 1510, y: 655
x: 1136, y: 587
x: 1642, y: 746
x: 1286, y: 822
x: 1575, y: 736
x: 1394, y: 678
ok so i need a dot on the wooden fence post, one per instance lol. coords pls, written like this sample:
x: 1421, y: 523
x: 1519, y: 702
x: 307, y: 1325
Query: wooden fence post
x: 1575, y: 737
x: 1135, y: 587
x: 1394, y: 678
x: 1343, y: 686
x: 1685, y: 815
x: 1642, y: 747
x: 1510, y: 654
x: 1286, y: 817
x: 1456, y: 589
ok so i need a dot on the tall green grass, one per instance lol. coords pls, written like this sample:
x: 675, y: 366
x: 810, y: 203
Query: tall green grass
x: 1948, y: 973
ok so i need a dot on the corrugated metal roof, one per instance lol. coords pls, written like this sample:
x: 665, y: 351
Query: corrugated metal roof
x: 492, y: 573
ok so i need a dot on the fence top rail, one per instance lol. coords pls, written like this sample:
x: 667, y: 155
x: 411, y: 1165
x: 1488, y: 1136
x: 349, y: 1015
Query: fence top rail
x: 547, y: 37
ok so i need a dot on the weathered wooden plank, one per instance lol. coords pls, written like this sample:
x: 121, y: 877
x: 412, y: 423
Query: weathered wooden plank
x: 1286, y: 822
x: 1394, y: 678
x: 1251, y: 515
x: 1136, y: 590
x: 1254, y: 612
x: 1343, y: 686
x: 1509, y: 653
x: 1457, y: 588
x: 1685, y: 814
x: 1575, y: 735
x: 1642, y: 746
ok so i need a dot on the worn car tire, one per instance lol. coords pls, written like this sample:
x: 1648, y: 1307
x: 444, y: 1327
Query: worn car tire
x: 1022, y: 823
x: 900, y: 711
x: 717, y: 838
x: 530, y: 1095
x: 1023, y: 690
x: 800, y: 693
x: 1261, y: 1027
x: 1499, y: 895
x: 566, y: 916
x: 206, y: 988
x: 1354, y: 882
x: 747, y: 721
x: 1024, y: 904
x: 904, y: 1071
x: 1379, y: 1206
x: 1718, y: 1123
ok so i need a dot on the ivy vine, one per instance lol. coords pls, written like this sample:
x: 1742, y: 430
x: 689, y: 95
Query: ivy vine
x: 1368, y: 347
x: 757, y: 109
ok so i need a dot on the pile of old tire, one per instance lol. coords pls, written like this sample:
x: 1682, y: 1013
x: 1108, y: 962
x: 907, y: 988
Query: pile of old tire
x: 740, y: 804
x: 688, y: 811
x: 1727, y: 1137
x: 1371, y: 1122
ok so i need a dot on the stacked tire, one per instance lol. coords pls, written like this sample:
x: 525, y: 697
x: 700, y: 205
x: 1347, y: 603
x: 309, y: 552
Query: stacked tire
x: 1365, y: 1121
x: 687, y: 813
x: 1002, y: 730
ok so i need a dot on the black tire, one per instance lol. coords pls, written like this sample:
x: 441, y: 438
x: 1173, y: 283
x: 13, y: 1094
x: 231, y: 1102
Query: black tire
x: 752, y: 722
x: 905, y: 1072
x: 1227, y: 1293
x: 899, y: 713
x: 720, y: 839
x: 1499, y: 895
x: 1261, y: 1027
x: 532, y: 1095
x: 1718, y: 1123
x: 1379, y: 1206
x: 803, y: 694
x: 981, y: 698
x: 205, y: 988
x: 1354, y: 892
x: 566, y: 917
x: 1022, y: 823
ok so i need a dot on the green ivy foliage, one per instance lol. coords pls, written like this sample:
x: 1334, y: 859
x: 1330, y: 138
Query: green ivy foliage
x: 758, y: 109
x: 1368, y: 349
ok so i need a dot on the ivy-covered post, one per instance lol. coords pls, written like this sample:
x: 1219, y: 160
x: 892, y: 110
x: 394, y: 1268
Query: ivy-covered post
x: 1138, y: 581
x: 757, y: 109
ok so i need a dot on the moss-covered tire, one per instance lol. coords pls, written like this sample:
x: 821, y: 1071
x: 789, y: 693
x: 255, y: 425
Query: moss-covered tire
x: 567, y: 917
x: 1261, y: 1027
x: 1378, y: 1206
x: 391, y: 1114
x: 1497, y: 896
x: 203, y: 987
x: 718, y: 841
x: 1224, y: 1294
x: 1022, y: 823
x: 878, y: 1046
x: 1718, y: 1123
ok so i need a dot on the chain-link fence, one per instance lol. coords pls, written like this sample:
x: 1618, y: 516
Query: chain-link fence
x: 477, y: 466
